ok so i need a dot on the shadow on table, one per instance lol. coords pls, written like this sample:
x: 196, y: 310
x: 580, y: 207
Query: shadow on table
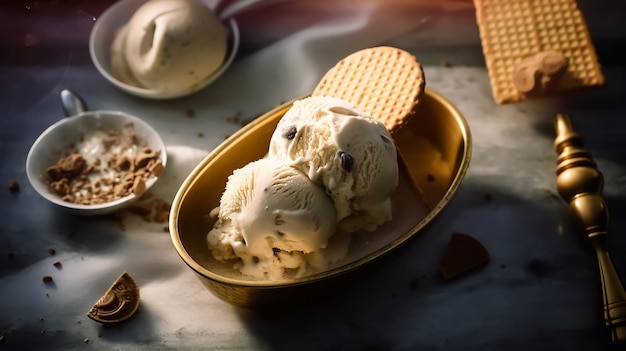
x: 520, y: 300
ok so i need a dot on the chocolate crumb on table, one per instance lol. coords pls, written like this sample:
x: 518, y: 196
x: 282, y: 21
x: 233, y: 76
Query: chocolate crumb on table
x: 162, y: 211
x: 462, y: 254
x: 236, y: 118
x: 118, y: 219
x: 488, y: 197
x: 142, y: 209
x: 152, y: 210
x: 14, y: 185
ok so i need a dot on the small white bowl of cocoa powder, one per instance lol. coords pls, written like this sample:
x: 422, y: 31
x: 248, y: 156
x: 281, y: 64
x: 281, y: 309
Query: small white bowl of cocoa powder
x: 95, y: 162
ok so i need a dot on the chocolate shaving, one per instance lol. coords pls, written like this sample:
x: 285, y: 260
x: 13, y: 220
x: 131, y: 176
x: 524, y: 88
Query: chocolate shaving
x: 462, y: 254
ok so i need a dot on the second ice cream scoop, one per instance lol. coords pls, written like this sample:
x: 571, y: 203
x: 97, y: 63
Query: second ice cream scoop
x: 271, y: 208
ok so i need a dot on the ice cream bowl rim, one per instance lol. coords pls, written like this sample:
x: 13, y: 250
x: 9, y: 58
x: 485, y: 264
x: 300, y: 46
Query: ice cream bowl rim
x: 261, y: 294
x: 114, y: 17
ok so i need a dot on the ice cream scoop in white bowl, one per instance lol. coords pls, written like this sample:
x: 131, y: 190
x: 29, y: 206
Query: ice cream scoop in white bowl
x: 95, y: 162
x: 167, y: 48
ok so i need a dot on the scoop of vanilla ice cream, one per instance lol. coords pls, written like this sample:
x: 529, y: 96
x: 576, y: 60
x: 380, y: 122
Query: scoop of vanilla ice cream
x: 271, y: 216
x: 343, y: 149
x: 169, y: 45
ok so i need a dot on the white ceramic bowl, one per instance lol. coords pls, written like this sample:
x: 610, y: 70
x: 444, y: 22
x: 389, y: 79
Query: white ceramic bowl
x: 119, y: 14
x: 55, y: 141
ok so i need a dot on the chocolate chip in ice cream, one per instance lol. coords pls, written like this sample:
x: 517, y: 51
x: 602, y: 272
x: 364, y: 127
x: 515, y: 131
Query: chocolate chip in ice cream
x: 347, y: 161
x: 290, y: 132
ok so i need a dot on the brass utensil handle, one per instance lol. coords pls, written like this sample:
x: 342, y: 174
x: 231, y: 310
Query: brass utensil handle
x: 590, y: 212
x: 580, y: 183
x: 613, y: 294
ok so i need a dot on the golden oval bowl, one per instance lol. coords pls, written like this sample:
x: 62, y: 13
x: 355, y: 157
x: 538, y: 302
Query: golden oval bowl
x: 436, y: 150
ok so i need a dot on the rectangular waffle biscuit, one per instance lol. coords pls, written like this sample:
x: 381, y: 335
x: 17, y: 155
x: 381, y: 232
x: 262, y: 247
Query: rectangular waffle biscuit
x: 511, y: 31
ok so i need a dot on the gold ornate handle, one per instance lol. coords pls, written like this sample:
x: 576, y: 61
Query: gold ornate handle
x: 580, y: 183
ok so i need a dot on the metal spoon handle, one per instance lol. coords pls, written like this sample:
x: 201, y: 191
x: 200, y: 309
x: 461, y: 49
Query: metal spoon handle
x: 580, y: 183
x: 72, y: 103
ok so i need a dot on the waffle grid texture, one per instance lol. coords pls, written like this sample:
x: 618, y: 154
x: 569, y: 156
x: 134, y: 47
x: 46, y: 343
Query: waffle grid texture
x: 385, y: 82
x: 511, y: 30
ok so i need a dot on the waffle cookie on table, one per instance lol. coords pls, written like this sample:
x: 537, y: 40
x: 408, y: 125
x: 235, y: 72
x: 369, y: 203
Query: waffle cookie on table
x: 536, y: 48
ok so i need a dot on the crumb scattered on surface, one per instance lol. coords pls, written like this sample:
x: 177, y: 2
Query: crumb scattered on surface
x: 152, y: 210
x: 143, y: 209
x: 190, y: 113
x: 551, y: 196
x: 118, y: 219
x: 539, y: 268
x: 445, y: 63
x: 236, y: 118
x: 57, y: 264
x: 200, y: 135
x: 488, y: 197
x: 162, y: 211
x: 462, y: 254
x: 52, y: 251
x: 14, y: 185
x: 47, y: 279
x: 71, y: 231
